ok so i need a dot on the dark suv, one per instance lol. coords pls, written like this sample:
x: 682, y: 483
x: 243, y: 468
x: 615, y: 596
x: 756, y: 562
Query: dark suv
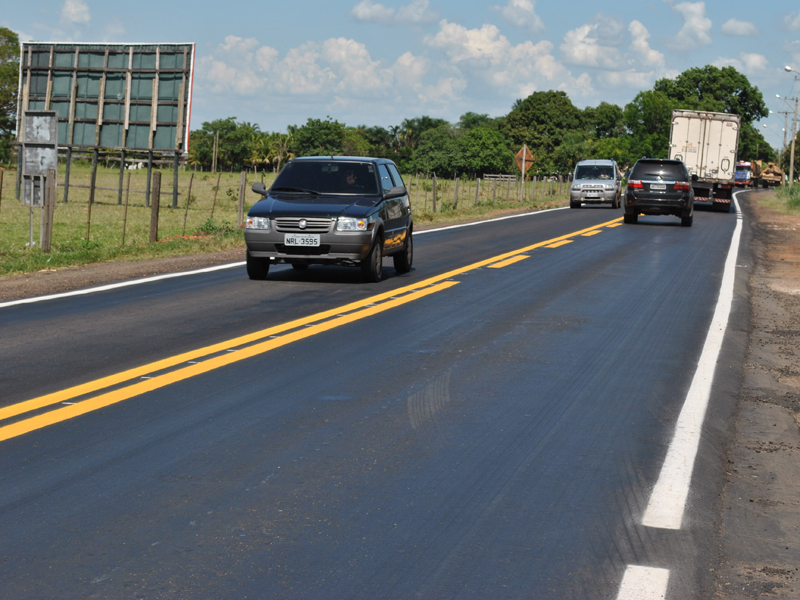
x: 331, y: 210
x: 659, y: 187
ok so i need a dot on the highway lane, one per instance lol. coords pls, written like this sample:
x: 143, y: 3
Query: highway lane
x: 496, y: 438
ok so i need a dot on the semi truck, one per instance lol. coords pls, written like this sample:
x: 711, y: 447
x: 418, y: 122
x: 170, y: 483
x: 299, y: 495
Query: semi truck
x: 768, y: 174
x: 706, y: 142
x: 745, y: 175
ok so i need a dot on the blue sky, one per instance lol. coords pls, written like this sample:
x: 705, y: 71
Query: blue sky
x: 377, y: 62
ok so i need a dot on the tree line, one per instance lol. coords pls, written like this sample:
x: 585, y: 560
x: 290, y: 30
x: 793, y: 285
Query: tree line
x: 557, y: 133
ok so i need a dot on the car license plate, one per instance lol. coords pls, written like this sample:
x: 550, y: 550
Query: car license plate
x: 301, y: 239
x: 657, y: 186
x: 592, y: 195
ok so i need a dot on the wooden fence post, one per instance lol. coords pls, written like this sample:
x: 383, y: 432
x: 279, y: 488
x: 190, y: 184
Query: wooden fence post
x: 455, y: 192
x: 125, y: 213
x: 188, y: 200
x: 433, y: 201
x: 1, y: 187
x: 216, y: 189
x: 508, y: 190
x: 155, y: 202
x: 477, y: 190
x: 242, y: 186
x: 48, y: 209
x: 494, y: 192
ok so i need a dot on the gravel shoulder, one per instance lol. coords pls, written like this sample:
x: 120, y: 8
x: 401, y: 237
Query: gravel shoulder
x: 760, y: 521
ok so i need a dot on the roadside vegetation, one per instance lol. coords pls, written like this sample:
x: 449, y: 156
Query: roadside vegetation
x: 785, y: 200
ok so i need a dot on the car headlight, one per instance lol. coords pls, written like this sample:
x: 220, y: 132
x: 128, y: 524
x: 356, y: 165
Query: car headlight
x: 351, y: 224
x: 609, y: 186
x: 257, y: 223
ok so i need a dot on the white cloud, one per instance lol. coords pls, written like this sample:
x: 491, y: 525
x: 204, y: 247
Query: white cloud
x: 640, y: 47
x: 696, y: 30
x: 76, y: 12
x: 521, y: 13
x: 417, y: 12
x: 792, y: 21
x: 514, y: 70
x: 739, y: 28
x: 595, y: 43
x: 747, y: 63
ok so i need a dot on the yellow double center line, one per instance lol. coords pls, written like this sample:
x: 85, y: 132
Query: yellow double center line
x: 236, y: 349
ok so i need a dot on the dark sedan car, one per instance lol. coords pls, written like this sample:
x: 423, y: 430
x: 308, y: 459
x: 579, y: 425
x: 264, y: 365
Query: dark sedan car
x: 331, y: 210
x: 659, y: 187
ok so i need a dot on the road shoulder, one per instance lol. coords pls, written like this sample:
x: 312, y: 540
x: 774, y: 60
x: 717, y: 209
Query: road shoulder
x: 760, y: 534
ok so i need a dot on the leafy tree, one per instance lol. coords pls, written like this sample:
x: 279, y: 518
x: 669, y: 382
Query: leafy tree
x: 541, y: 121
x: 484, y: 150
x: 318, y: 138
x: 235, y: 140
x: 355, y: 142
x: 471, y: 120
x: 714, y: 89
x: 604, y: 121
x: 9, y: 81
x: 648, y: 117
x: 438, y: 151
x: 411, y: 130
x: 753, y: 146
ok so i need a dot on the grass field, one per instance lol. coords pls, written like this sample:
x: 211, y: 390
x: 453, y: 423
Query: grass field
x: 81, y: 236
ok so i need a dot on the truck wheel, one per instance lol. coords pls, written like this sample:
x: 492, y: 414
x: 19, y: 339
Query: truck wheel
x: 687, y: 221
x: 257, y: 268
x: 630, y: 219
x: 372, y: 265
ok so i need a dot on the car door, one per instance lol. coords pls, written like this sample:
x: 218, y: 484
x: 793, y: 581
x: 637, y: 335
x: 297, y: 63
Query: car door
x: 403, y: 205
x: 393, y: 219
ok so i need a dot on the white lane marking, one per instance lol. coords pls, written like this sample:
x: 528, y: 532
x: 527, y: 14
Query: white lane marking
x: 122, y: 284
x: 644, y: 583
x: 114, y: 286
x: 668, y: 500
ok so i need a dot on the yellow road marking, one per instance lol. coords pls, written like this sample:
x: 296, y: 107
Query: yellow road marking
x: 591, y: 233
x: 557, y: 244
x: 509, y: 261
x: 311, y: 326
x: 74, y: 410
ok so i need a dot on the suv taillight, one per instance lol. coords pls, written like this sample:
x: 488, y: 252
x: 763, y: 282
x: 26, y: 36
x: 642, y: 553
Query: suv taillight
x: 682, y: 185
x: 635, y: 184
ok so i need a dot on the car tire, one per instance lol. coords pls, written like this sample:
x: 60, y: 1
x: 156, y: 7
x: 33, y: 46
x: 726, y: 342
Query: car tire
x: 257, y: 268
x: 574, y: 204
x: 630, y: 219
x: 687, y: 221
x: 404, y: 258
x: 372, y: 265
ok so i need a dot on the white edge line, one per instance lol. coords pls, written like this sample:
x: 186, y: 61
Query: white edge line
x: 113, y: 286
x: 121, y: 284
x: 644, y: 583
x: 668, y: 499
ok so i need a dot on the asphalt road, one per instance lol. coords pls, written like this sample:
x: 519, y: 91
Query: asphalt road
x: 467, y: 430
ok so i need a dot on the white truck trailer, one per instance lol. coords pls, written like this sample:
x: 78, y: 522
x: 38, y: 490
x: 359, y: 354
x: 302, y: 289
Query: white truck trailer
x: 706, y: 142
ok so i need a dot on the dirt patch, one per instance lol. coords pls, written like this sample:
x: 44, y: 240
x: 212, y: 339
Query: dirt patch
x: 761, y: 502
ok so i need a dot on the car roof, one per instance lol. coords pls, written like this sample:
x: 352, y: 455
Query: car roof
x: 370, y: 159
x: 659, y: 160
x: 603, y: 162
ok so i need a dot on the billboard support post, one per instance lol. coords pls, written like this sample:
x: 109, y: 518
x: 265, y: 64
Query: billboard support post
x: 175, y: 181
x: 94, y: 177
x: 121, y: 175
x: 149, y: 178
x: 66, y: 175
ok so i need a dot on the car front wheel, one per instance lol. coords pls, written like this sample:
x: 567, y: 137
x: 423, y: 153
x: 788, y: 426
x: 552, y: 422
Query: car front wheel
x: 630, y: 219
x: 257, y: 268
x: 687, y: 221
x: 402, y: 260
x: 372, y: 265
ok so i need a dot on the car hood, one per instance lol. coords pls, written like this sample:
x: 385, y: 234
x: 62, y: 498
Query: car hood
x: 303, y: 205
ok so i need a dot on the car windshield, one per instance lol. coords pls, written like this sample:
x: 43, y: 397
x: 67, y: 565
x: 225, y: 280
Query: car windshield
x: 663, y: 171
x: 594, y: 172
x: 327, y: 177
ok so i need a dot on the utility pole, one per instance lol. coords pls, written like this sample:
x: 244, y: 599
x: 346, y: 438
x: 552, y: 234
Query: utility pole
x: 794, y: 135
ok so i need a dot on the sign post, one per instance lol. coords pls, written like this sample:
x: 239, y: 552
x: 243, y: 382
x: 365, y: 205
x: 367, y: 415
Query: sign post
x: 39, y: 159
x: 524, y: 160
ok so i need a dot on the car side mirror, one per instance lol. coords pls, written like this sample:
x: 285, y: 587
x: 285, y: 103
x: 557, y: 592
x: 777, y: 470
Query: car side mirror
x: 260, y: 188
x: 694, y: 177
x: 395, y: 192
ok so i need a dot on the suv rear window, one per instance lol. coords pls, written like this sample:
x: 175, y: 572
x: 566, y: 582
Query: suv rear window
x: 664, y: 170
x: 328, y: 177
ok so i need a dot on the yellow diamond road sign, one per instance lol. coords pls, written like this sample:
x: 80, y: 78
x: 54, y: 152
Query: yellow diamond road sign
x: 525, y: 157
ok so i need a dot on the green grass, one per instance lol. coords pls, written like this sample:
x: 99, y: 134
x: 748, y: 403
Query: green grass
x: 77, y: 241
x: 785, y: 200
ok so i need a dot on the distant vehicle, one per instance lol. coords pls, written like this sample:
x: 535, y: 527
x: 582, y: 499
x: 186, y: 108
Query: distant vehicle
x: 769, y: 174
x: 335, y: 210
x: 745, y: 176
x: 596, y: 182
x: 707, y: 143
x: 659, y: 186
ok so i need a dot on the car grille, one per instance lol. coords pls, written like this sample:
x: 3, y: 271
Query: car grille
x: 292, y: 225
x: 303, y: 250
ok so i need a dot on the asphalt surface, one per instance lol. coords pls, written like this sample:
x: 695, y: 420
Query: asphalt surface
x: 494, y: 433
